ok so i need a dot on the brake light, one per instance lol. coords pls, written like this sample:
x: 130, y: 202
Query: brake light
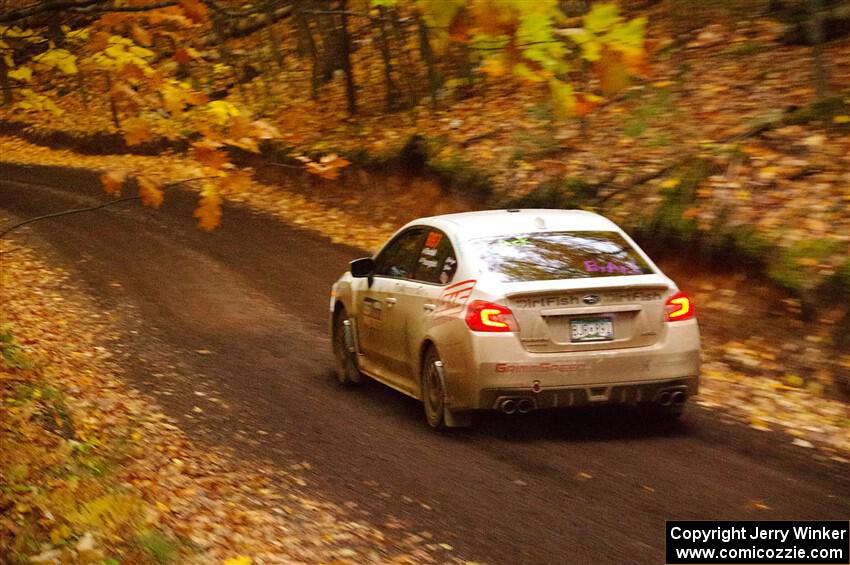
x: 482, y: 316
x: 679, y: 307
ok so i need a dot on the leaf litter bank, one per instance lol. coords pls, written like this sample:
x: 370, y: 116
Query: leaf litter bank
x: 93, y: 472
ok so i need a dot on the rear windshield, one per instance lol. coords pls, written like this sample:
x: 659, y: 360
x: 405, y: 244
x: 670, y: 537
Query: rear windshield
x: 559, y: 255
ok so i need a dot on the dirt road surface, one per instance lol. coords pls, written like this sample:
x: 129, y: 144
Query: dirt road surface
x: 235, y: 323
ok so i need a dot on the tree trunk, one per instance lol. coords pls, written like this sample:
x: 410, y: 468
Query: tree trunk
x: 816, y: 36
x: 407, y: 64
x: 113, y: 107
x: 4, y: 82
x: 384, y: 44
x: 345, y: 49
x: 306, y: 35
x: 428, y: 57
x: 273, y: 39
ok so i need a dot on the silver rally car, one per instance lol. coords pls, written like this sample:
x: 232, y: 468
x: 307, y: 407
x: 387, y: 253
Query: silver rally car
x: 515, y: 310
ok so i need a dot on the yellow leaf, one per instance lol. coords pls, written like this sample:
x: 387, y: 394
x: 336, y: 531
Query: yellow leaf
x: 23, y: 74
x: 208, y: 211
x: 836, y: 119
x: 670, y: 183
x: 112, y: 181
x: 150, y: 192
x: 493, y: 66
x: 221, y: 111
x: 240, y: 560
x: 173, y: 100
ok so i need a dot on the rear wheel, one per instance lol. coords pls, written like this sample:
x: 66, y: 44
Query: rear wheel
x: 437, y: 413
x: 347, y: 371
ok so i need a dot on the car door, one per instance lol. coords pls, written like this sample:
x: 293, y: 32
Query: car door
x: 419, y: 297
x: 384, y: 303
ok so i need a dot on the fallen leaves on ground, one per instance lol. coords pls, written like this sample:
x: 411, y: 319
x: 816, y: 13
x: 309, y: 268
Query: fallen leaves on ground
x: 92, y: 471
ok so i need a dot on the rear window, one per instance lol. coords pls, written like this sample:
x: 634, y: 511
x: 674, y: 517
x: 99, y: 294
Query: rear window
x: 559, y: 255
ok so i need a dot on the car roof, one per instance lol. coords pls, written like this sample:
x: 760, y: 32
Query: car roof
x: 489, y: 223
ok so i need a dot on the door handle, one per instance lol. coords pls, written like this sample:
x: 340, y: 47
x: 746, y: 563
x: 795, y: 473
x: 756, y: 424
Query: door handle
x: 429, y: 307
x: 391, y: 301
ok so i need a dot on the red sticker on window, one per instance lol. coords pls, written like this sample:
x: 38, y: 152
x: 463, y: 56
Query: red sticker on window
x: 433, y: 240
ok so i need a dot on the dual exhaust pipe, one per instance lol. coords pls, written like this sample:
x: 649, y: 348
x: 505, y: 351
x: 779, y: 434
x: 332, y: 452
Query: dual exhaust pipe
x: 516, y: 406
x: 670, y: 398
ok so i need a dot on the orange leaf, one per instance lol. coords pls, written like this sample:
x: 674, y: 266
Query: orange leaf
x: 585, y: 103
x: 195, y: 10
x: 208, y: 211
x: 207, y: 153
x: 155, y: 80
x: 182, y: 56
x: 123, y: 91
x: 98, y: 41
x: 150, y: 192
x: 133, y: 71
x: 613, y: 71
x: 240, y: 126
x: 460, y: 29
x: 112, y: 181
x: 141, y: 35
x: 136, y: 131
x: 196, y: 98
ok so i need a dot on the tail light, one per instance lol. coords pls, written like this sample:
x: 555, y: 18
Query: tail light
x: 679, y: 307
x: 484, y: 316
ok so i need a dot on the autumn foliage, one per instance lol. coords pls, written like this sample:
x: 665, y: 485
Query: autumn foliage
x: 164, y: 70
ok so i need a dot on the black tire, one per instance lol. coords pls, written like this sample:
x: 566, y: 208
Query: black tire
x: 433, y: 395
x: 347, y: 371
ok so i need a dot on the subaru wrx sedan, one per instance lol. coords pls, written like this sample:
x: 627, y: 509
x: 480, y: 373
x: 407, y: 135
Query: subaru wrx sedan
x: 515, y: 310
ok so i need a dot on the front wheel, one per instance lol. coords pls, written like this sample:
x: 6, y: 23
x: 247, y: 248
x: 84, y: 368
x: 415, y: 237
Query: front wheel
x: 347, y: 371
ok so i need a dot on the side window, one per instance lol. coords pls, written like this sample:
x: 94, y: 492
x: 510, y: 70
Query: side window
x: 399, y: 258
x: 437, y: 262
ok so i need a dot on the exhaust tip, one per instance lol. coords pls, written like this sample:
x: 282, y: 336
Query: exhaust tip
x: 524, y: 406
x: 665, y: 398
x: 508, y: 406
x: 679, y: 397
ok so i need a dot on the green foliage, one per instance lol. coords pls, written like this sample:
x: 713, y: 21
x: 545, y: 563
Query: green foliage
x: 10, y: 352
x: 161, y: 548
x: 786, y: 269
x: 566, y: 194
x: 825, y: 110
x: 110, y: 512
x: 605, y: 28
x: 745, y: 49
x: 461, y: 176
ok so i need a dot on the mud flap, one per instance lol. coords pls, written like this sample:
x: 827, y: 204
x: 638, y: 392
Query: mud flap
x: 450, y: 419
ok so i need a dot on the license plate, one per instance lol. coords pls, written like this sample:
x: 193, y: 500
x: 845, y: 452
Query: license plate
x: 592, y: 329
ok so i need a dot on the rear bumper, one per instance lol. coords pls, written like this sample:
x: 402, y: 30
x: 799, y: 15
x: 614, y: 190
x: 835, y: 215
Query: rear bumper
x: 560, y: 397
x: 491, y: 366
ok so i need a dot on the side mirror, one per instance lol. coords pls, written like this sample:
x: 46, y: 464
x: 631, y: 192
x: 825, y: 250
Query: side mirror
x: 361, y: 268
